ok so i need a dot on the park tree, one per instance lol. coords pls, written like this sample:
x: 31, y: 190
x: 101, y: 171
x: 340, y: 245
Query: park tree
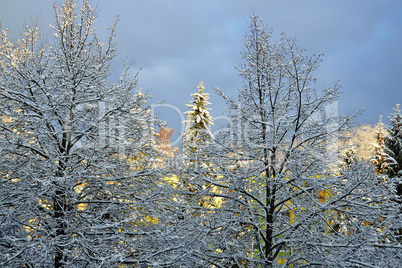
x: 278, y: 166
x: 76, y: 149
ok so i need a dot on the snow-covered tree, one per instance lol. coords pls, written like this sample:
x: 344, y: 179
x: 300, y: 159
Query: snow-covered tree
x: 276, y: 167
x: 193, y: 204
x: 393, y: 142
x: 278, y: 143
x: 198, y: 121
x: 393, y: 145
x: 196, y: 140
x: 382, y: 157
x: 76, y: 151
x: 348, y: 158
x: 356, y: 229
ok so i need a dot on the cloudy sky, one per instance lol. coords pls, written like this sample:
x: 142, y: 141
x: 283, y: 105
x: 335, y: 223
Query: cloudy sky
x: 179, y: 43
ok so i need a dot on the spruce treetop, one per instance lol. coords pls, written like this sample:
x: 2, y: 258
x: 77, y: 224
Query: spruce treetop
x: 198, y: 117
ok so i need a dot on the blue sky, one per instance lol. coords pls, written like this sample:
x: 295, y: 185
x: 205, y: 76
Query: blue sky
x: 178, y: 43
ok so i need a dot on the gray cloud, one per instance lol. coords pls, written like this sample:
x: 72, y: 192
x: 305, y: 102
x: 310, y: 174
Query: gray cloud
x: 179, y: 43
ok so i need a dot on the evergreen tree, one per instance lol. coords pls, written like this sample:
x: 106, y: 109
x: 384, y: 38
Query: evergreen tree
x: 196, y: 140
x: 382, y: 157
x: 348, y: 158
x: 190, y: 178
x: 197, y: 133
x: 393, y: 142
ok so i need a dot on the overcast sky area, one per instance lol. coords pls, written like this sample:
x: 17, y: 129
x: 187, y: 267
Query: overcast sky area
x: 179, y: 43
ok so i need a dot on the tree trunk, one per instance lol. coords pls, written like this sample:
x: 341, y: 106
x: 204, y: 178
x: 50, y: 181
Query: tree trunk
x: 59, y: 207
